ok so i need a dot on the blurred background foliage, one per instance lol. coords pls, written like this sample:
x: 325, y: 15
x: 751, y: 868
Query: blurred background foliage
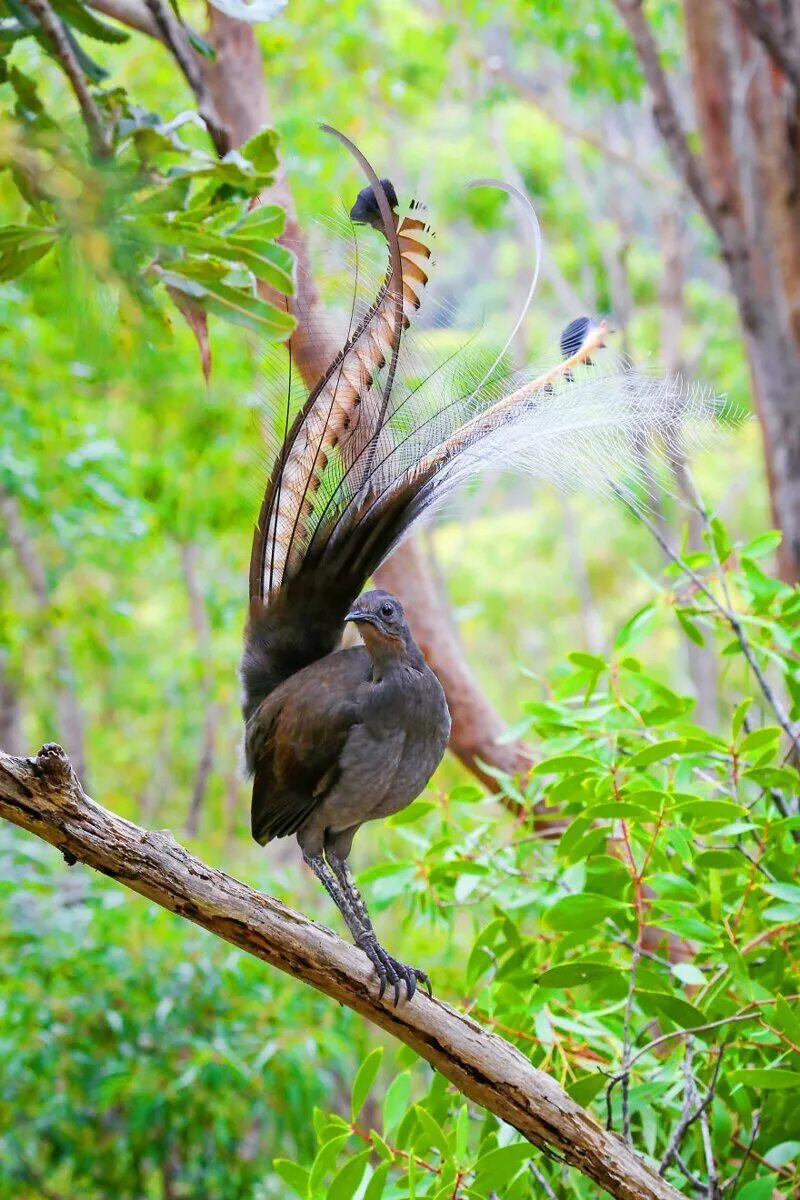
x: 141, y: 1058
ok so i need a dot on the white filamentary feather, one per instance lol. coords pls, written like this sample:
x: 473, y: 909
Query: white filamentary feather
x: 413, y: 437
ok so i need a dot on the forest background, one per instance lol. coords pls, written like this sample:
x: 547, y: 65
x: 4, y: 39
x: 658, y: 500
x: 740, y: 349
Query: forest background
x: 638, y: 678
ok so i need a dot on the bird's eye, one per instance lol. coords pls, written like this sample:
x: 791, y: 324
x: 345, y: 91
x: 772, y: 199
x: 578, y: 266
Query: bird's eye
x: 387, y: 610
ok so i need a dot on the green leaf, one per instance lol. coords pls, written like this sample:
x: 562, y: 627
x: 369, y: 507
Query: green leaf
x: 432, y: 1133
x: 494, y: 1169
x: 758, y: 1189
x: 80, y: 18
x: 292, y: 1173
x: 765, y: 544
x: 576, y: 973
x: 719, y: 860
x: 584, y: 1089
x: 324, y: 1161
x: 261, y: 151
x: 618, y: 810
x: 739, y: 714
x: 760, y: 738
x: 466, y: 793
x: 262, y: 221
x: 396, y: 1101
x: 783, y: 1153
x: 766, y: 1079
x: 569, y: 764
x: 16, y: 258
x: 689, y: 628
x: 676, y: 1008
x: 711, y: 810
x: 377, y: 1184
x: 234, y: 305
x: 784, y: 891
x: 585, y: 911
x: 411, y: 813
x: 634, y: 626
x: 592, y: 662
x: 344, y: 1184
x: 365, y: 1077
x: 654, y: 753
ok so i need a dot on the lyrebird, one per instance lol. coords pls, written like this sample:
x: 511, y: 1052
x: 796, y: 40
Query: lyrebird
x: 337, y: 737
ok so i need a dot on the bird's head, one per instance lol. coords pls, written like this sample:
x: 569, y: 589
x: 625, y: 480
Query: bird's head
x: 380, y: 620
x: 366, y: 211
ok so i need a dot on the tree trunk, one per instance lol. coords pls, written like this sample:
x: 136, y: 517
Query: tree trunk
x: 744, y: 58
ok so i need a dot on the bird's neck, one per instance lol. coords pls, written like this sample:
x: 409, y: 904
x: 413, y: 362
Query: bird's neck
x: 391, y: 654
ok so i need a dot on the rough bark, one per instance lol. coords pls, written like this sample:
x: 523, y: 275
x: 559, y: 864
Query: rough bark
x: 746, y: 180
x: 245, y: 110
x: 43, y: 796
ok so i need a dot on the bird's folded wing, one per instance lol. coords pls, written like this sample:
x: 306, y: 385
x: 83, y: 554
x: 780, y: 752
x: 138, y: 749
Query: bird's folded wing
x: 300, y: 732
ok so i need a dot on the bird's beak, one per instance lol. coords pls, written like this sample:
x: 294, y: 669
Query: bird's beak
x: 357, y: 613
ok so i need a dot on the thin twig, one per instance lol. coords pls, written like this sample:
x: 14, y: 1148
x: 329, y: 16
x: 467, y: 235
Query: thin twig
x: 175, y: 38
x: 542, y: 1181
x: 56, y: 34
x: 730, y: 616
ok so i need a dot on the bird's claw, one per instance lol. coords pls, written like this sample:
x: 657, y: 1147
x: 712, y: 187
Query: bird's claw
x: 392, y: 972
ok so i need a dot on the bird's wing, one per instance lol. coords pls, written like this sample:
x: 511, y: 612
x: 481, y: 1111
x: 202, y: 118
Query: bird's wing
x: 302, y: 729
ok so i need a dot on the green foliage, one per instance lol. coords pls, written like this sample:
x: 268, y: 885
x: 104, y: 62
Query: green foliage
x: 159, y: 213
x: 145, y: 1060
x: 139, y: 1055
x: 643, y: 955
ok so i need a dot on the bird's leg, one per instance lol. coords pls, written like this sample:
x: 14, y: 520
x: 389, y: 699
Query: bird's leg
x: 388, y: 968
x: 331, y: 884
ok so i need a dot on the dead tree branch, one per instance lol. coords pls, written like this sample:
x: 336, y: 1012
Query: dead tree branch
x: 43, y: 796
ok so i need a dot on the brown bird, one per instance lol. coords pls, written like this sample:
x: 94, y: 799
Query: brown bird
x: 337, y: 737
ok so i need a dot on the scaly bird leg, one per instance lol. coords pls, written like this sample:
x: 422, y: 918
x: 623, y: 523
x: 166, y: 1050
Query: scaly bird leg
x: 389, y: 969
x: 363, y: 934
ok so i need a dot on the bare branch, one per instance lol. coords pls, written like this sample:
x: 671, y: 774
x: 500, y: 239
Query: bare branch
x: 56, y: 34
x: 43, y: 796
x: 665, y: 110
x: 627, y: 158
x: 175, y: 38
x: 132, y: 13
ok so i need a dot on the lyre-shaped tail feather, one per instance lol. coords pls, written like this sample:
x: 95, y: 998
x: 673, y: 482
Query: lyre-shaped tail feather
x: 334, y: 419
x: 383, y: 439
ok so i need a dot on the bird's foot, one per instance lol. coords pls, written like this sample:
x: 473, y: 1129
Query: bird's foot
x: 392, y: 973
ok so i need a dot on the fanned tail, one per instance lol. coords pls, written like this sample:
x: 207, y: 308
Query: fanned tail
x: 386, y: 436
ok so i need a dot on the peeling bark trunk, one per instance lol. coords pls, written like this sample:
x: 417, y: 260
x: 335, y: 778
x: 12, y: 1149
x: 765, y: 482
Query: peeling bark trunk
x: 43, y: 796
x: 746, y: 180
